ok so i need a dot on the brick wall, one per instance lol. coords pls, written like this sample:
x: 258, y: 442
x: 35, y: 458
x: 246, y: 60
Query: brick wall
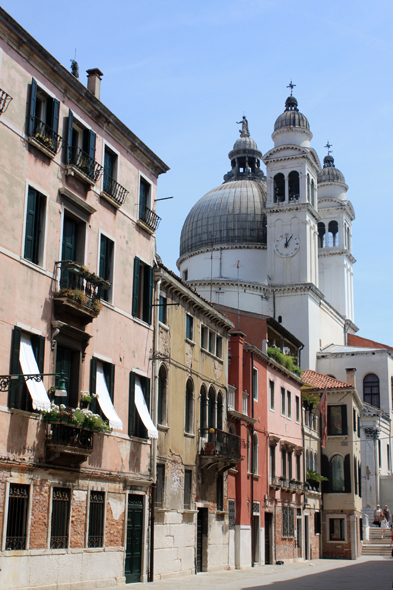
x: 78, y: 518
x: 314, y: 540
x: 338, y: 549
x: 115, y: 515
x: 285, y: 546
x: 39, y: 514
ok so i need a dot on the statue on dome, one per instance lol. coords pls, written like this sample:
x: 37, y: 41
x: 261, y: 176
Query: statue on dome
x: 244, y: 132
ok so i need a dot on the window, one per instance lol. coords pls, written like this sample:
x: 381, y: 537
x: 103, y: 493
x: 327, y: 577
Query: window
x: 160, y: 488
x: 255, y: 453
x: 336, y: 529
x: 219, y: 411
x: 96, y: 519
x: 297, y: 408
x: 272, y: 463
x: 68, y: 361
x: 321, y: 234
x: 289, y: 405
x: 282, y: 401
x: 337, y: 421
x: 337, y: 474
x: 185, y: 275
x: 333, y: 233
x: 162, y: 315
x: 211, y: 408
x: 279, y: 188
x: 162, y: 395
x: 316, y: 465
x: 19, y: 397
x: 288, y: 521
x: 371, y: 390
x: 187, y: 488
x: 355, y: 470
x: 61, y: 498
x: 189, y: 327
x: 271, y: 389
x: 212, y: 342
x: 142, y: 291
x: 219, y: 347
x: 35, y: 227
x: 43, y: 123
x: 189, y: 413
x: 107, y: 248
x: 290, y: 456
x: 73, y: 249
x: 293, y: 185
x: 135, y: 424
x: 255, y: 383
x: 204, y: 337
x: 144, y: 200
x: 203, y: 408
x: 220, y: 492
x: 308, y: 189
x: 18, y: 501
x: 81, y: 149
x: 313, y: 193
x: 317, y: 523
x: 298, y: 467
x: 109, y: 374
x: 284, y: 464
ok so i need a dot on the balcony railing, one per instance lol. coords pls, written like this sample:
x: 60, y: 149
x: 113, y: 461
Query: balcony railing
x: 45, y: 136
x: 275, y: 481
x: 114, y: 190
x: 84, y: 163
x: 70, y: 439
x: 150, y: 218
x: 219, y: 444
x: 5, y: 100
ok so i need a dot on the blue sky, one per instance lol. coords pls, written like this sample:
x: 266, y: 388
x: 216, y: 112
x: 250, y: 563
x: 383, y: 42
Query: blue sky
x: 181, y: 73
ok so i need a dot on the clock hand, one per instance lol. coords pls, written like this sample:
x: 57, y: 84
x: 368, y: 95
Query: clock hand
x: 288, y: 240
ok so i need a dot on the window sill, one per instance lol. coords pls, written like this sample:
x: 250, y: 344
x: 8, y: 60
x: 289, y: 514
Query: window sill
x: 188, y: 511
x: 110, y: 200
x: 37, y: 267
x: 41, y: 147
x: 272, y: 410
x: 141, y: 322
x: 190, y: 342
x: 256, y: 475
x: 164, y: 326
x: 163, y: 427
x: 221, y: 512
x: 72, y: 170
x: 189, y: 434
x: 145, y: 227
x: 233, y: 471
x: 161, y: 510
x: 217, y: 358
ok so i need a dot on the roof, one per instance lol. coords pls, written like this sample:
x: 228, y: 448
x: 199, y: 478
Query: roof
x: 320, y: 381
x: 342, y: 349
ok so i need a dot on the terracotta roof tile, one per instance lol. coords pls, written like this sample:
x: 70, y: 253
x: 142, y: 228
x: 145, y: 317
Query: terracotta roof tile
x: 320, y: 381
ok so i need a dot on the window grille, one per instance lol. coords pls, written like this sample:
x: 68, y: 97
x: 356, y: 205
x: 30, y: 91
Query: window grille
x: 160, y: 486
x: 60, y: 516
x: 96, y: 519
x: 17, y: 517
x: 288, y: 521
x: 232, y: 514
x: 220, y: 492
x: 187, y: 489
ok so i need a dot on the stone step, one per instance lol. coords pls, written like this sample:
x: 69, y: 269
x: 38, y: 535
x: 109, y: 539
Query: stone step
x: 374, y: 550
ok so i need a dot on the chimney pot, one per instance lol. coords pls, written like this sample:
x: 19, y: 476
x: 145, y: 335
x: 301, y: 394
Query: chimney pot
x: 94, y: 81
x: 351, y: 377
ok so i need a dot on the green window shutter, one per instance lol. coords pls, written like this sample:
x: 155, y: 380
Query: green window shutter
x: 93, y: 384
x: 55, y: 115
x: 148, y: 287
x: 15, y: 365
x: 347, y: 473
x: 325, y: 472
x: 92, y: 145
x: 135, y: 294
x: 344, y: 420
x: 69, y: 137
x: 187, y: 416
x: 39, y: 352
x: 111, y: 386
x: 360, y: 479
x: 150, y: 293
x: 104, y: 257
x: 33, y: 103
x: 142, y: 198
x: 359, y: 426
x: 32, y: 216
x: 131, y: 406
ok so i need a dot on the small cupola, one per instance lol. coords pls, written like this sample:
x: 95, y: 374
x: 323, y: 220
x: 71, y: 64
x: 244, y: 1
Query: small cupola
x: 292, y: 122
x: 245, y: 157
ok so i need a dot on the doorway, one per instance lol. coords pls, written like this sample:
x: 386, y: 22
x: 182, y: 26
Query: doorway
x: 133, y: 563
x: 306, y: 538
x: 298, y: 537
x: 268, y: 538
x: 255, y: 532
x: 201, y: 548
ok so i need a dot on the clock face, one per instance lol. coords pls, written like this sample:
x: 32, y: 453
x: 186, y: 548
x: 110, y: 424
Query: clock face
x: 286, y: 245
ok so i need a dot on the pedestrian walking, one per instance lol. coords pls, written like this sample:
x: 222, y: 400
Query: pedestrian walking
x: 386, y: 513
x: 378, y: 515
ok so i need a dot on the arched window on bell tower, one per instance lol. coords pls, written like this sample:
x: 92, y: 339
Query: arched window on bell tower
x: 293, y: 185
x: 333, y: 233
x: 321, y: 234
x: 308, y: 189
x: 312, y: 193
x: 279, y: 188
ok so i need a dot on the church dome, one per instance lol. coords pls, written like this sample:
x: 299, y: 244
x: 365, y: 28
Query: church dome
x: 232, y: 213
x: 329, y: 172
x: 245, y: 143
x: 291, y: 116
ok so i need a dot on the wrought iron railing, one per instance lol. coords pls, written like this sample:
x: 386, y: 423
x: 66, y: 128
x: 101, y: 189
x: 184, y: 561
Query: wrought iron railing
x: 219, y: 443
x: 70, y: 436
x: 5, y: 100
x: 84, y: 163
x: 46, y: 136
x: 150, y: 218
x: 112, y: 188
x: 17, y: 517
x: 79, y: 284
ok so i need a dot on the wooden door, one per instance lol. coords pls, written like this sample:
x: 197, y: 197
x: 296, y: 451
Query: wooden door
x: 133, y: 563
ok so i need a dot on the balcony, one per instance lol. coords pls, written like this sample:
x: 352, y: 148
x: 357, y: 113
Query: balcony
x: 149, y: 220
x: 79, y: 293
x: 113, y: 192
x: 275, y: 482
x: 5, y: 100
x: 45, y: 139
x: 67, y: 444
x: 82, y: 165
x: 219, y: 448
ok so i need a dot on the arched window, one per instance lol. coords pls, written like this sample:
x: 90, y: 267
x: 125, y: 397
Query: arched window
x: 371, y: 390
x: 248, y: 451
x: 211, y: 415
x: 333, y: 233
x: 279, y: 188
x: 219, y: 411
x: 337, y: 480
x: 293, y: 185
x: 189, y: 417
x: 312, y: 193
x: 307, y: 459
x: 321, y: 234
x: 203, y: 407
x: 308, y: 189
x: 316, y: 466
x: 255, y: 453
x: 162, y: 395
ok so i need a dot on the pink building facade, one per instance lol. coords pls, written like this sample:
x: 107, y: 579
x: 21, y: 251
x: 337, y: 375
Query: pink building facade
x: 77, y: 247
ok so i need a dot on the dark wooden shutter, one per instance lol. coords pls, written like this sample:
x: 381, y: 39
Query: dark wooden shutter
x: 344, y: 420
x: 32, y: 226
x: 148, y: 290
x: 55, y: 115
x: 326, y: 473
x: 131, y: 406
x: 142, y: 199
x: 92, y: 145
x: 360, y: 479
x: 69, y: 137
x: 355, y: 473
x: 354, y: 420
x: 347, y: 472
x: 39, y: 352
x: 93, y: 385
x: 103, y: 257
x: 111, y: 384
x: 145, y: 384
x: 135, y: 294
x: 33, y: 104
x: 15, y: 364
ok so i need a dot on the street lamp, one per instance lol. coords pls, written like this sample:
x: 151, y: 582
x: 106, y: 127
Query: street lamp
x: 8, y: 382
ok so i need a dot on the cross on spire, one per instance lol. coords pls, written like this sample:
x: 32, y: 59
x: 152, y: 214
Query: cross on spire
x: 291, y: 86
x: 328, y: 146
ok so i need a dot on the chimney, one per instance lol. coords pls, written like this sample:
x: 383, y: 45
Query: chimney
x: 94, y: 81
x: 351, y: 377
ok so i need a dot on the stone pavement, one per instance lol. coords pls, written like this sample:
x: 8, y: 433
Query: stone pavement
x: 366, y: 573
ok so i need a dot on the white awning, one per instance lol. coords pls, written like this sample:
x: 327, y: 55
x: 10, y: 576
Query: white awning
x: 29, y: 366
x: 143, y: 410
x: 105, y: 401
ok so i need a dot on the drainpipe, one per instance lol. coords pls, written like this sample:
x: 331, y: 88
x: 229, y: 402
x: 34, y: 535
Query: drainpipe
x: 252, y: 462
x: 155, y: 414
x: 274, y: 305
